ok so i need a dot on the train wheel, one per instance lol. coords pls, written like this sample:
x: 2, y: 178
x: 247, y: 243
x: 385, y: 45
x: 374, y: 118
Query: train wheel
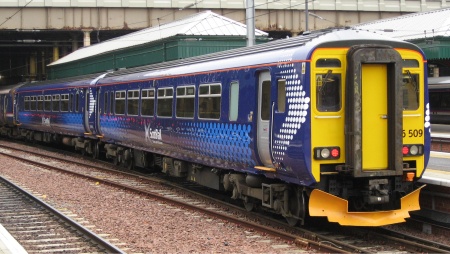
x: 297, y: 207
x: 96, y: 150
x: 130, y: 164
x: 144, y: 160
x: 116, y: 161
x: 128, y: 159
x: 248, y: 205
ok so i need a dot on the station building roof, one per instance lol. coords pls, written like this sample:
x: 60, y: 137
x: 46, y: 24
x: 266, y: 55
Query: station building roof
x: 206, y: 23
x: 429, y: 30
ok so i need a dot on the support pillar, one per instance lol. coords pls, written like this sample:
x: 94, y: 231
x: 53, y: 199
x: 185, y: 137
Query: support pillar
x: 55, y: 52
x: 33, y: 66
x: 74, y: 42
x: 43, y: 67
x: 86, y: 37
x: 436, y: 72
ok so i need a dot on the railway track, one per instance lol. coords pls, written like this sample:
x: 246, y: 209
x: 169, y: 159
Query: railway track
x: 337, y: 240
x: 40, y: 228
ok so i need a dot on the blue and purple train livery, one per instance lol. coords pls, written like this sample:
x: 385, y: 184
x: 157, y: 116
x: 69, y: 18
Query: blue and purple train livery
x: 335, y: 123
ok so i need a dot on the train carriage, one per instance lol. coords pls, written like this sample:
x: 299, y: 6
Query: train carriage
x: 55, y: 111
x: 8, y: 116
x: 334, y: 124
x: 439, y: 89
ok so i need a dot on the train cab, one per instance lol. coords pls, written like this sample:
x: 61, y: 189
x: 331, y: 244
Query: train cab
x: 370, y: 108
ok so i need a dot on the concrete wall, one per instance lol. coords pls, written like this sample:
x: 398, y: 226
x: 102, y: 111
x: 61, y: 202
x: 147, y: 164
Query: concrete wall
x: 136, y: 14
x: 361, y: 5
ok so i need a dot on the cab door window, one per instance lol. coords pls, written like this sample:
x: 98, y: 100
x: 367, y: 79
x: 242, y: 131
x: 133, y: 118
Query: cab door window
x: 328, y: 81
x: 328, y: 89
x: 410, y: 86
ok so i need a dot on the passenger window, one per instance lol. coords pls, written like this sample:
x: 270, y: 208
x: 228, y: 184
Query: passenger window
x: 185, y: 101
x: 77, y: 97
x: 133, y: 102
x: 265, y: 100
x: 40, y: 103
x: 105, y: 103
x: 328, y: 92
x: 48, y: 103
x: 33, y: 103
x: 64, y: 102
x: 410, y: 89
x: 165, y: 101
x: 111, y: 102
x: 55, y: 103
x: 70, y: 102
x: 148, y: 102
x: 281, y: 96
x: 209, y: 101
x: 120, y: 103
x: 234, y: 101
x: 27, y: 102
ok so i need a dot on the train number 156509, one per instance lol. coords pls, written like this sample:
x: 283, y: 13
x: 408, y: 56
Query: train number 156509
x: 413, y: 133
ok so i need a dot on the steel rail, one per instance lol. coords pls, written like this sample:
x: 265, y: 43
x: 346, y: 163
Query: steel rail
x: 300, y: 241
x: 300, y: 236
x: 108, y: 247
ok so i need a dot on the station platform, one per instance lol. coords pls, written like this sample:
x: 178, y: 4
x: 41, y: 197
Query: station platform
x: 438, y: 170
x: 436, y: 177
x: 440, y: 131
x: 9, y: 245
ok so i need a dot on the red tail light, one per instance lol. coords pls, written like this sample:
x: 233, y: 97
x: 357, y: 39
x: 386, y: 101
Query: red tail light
x: 412, y: 150
x: 327, y: 153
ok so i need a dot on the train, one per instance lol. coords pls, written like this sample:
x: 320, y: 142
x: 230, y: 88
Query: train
x: 334, y: 123
x: 439, y: 96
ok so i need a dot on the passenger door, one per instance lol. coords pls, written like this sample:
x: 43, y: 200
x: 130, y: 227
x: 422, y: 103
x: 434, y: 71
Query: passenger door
x: 91, y: 113
x: 3, y: 112
x: 374, y: 113
x: 86, y: 111
x: 264, y: 117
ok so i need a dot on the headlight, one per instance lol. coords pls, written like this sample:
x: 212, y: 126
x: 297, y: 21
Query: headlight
x: 327, y: 153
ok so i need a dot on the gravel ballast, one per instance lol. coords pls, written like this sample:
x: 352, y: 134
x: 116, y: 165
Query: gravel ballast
x: 139, y: 224
x: 136, y: 223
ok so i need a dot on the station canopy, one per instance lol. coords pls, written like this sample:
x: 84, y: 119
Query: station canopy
x: 429, y: 30
x: 202, y: 24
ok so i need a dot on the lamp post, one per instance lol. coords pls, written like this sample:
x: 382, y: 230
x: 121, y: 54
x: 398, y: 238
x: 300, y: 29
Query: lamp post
x: 306, y: 16
x: 250, y: 22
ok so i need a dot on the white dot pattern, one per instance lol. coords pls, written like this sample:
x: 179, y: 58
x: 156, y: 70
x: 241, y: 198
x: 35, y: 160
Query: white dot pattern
x: 427, y: 117
x: 297, y: 104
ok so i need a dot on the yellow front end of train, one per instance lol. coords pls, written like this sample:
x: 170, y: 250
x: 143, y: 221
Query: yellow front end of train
x: 368, y: 133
